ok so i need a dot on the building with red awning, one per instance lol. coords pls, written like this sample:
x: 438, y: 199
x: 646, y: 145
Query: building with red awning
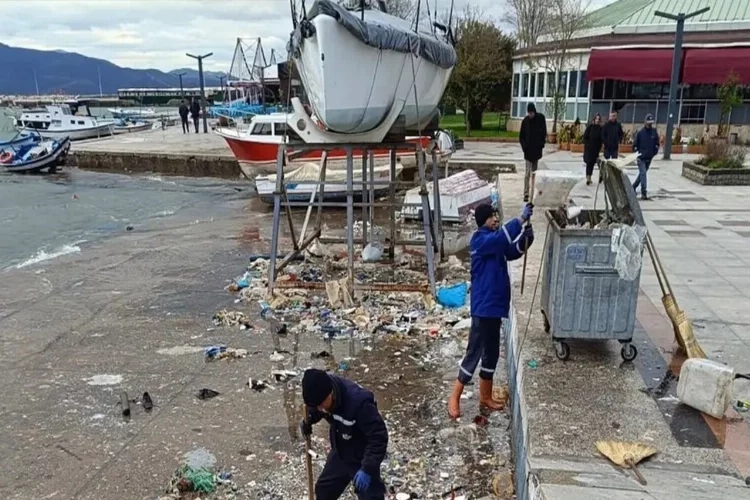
x: 623, y: 61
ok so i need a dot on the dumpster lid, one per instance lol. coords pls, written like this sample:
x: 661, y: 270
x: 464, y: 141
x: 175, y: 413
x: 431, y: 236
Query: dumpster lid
x: 621, y: 194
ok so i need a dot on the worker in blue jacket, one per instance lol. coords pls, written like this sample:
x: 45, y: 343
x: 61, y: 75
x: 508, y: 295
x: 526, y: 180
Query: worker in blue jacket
x: 357, y: 432
x: 646, y: 144
x: 491, y: 250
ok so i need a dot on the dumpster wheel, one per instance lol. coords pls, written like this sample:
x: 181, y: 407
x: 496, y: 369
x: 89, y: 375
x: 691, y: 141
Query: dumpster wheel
x: 562, y: 350
x: 628, y: 352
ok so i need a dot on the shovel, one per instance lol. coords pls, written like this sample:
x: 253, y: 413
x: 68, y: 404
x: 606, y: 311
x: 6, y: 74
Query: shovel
x: 623, y: 453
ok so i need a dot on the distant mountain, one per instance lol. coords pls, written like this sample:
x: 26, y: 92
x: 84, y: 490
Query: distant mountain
x: 72, y: 73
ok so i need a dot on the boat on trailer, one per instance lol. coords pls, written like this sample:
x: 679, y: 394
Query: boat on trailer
x: 302, y: 182
x: 47, y: 154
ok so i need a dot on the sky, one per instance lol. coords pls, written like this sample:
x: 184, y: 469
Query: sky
x: 158, y: 33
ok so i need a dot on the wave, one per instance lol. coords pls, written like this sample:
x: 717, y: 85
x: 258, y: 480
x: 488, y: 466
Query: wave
x: 42, y: 255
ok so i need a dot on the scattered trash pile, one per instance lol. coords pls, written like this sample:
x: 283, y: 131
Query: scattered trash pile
x: 198, y: 476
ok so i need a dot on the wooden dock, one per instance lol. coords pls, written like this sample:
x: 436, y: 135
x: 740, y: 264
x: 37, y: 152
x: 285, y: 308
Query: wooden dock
x: 167, y: 151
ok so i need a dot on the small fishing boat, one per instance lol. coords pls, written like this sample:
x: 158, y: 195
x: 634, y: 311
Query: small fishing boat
x: 20, y: 140
x: 460, y: 193
x: 300, y: 183
x: 132, y: 112
x: 60, y: 121
x: 47, y: 154
x: 129, y: 126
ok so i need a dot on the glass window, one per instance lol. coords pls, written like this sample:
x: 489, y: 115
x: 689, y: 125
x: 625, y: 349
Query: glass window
x: 532, y: 85
x: 281, y: 129
x: 583, y: 91
x: 621, y: 89
x: 262, y: 129
x: 550, y: 83
x: 693, y: 112
x: 572, y: 82
x: 597, y: 89
x: 563, y: 83
x: 609, y: 89
x: 540, y: 86
x: 698, y: 91
x: 645, y: 90
x: 525, y: 85
x: 516, y: 77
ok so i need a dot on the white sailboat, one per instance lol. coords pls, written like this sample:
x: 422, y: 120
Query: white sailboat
x: 364, y: 68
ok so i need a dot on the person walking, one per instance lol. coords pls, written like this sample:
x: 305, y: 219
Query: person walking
x: 184, y: 116
x: 612, y: 135
x: 646, y: 144
x: 592, y: 144
x: 491, y: 249
x: 358, y: 435
x: 533, y: 136
x: 195, y: 112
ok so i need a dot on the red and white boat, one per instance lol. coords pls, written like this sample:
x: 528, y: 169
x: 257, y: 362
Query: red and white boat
x: 257, y: 146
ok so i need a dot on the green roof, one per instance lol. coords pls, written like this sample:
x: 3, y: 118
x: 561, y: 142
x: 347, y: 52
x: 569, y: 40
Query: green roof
x: 641, y: 12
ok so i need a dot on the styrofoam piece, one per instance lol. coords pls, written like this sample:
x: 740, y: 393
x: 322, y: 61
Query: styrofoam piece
x: 552, y: 187
x: 625, y: 161
x: 706, y: 386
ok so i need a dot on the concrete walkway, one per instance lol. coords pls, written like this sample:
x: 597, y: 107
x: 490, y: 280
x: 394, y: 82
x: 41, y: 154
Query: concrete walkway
x: 562, y: 408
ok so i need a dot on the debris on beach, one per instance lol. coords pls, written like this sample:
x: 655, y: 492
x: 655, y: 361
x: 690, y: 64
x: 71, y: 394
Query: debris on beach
x: 231, y: 318
x: 204, y: 394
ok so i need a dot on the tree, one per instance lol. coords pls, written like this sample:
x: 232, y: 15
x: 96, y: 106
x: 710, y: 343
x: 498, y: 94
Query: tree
x: 730, y: 95
x: 405, y: 9
x: 528, y: 19
x: 484, y: 68
x: 564, y: 19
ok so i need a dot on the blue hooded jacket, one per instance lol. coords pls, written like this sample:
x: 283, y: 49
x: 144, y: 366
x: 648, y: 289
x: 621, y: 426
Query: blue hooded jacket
x: 490, y: 253
x: 646, y: 142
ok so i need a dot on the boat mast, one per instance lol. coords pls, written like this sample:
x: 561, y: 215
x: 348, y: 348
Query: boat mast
x: 98, y: 70
x: 36, y: 83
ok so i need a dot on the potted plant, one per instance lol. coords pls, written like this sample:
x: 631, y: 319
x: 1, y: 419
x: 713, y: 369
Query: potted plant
x: 577, y: 145
x: 563, y: 138
x: 627, y: 141
x: 696, y: 146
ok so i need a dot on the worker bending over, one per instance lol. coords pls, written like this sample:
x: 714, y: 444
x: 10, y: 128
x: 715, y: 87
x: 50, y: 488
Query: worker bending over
x: 491, y: 249
x: 358, y: 435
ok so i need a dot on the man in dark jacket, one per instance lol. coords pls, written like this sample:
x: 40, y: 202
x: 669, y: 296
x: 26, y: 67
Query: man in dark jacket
x: 646, y: 144
x: 195, y: 112
x: 491, y: 249
x: 358, y: 435
x: 532, y: 137
x: 612, y: 136
x: 184, y: 116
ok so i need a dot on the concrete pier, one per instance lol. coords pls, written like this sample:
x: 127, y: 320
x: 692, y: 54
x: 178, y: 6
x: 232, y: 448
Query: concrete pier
x: 166, y: 151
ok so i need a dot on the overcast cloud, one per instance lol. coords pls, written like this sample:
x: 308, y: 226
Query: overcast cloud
x: 157, y: 33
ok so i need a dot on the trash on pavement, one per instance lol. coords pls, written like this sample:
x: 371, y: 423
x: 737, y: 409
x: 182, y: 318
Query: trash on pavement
x: 147, y: 402
x: 706, y: 385
x: 453, y: 296
x: 283, y: 375
x: 257, y: 385
x: 207, y: 394
x: 125, y: 403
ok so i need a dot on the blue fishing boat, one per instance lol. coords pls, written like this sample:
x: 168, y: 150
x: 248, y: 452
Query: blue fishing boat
x: 20, y: 140
x: 47, y: 154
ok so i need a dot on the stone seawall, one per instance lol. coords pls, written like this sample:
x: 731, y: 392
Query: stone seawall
x: 187, y: 165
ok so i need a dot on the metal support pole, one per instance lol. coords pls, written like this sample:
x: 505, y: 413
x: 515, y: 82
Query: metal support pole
x: 321, y: 178
x: 324, y: 168
x: 438, y: 208
x: 364, y: 194
x: 280, y: 155
x: 350, y: 216
x: 427, y: 220
x: 676, y: 65
x: 371, y: 196
x: 392, y: 201
x: 203, y: 88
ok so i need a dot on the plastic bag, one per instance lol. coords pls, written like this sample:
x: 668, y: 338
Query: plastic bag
x: 552, y: 187
x: 453, y: 296
x: 627, y: 242
x: 372, y: 252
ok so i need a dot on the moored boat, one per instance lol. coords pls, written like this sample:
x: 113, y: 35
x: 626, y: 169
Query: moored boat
x: 129, y: 126
x: 300, y: 183
x: 60, y: 121
x: 132, y: 112
x: 47, y: 154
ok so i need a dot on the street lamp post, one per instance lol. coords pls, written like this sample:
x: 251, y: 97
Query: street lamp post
x: 203, y: 88
x: 674, y: 80
x: 182, y: 90
x: 221, y: 84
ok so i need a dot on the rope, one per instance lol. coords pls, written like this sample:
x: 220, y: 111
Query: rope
x: 201, y: 479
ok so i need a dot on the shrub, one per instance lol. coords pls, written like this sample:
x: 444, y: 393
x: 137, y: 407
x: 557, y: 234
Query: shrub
x: 721, y: 154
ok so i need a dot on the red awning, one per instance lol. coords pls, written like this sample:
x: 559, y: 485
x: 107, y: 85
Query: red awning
x: 714, y: 65
x: 630, y: 65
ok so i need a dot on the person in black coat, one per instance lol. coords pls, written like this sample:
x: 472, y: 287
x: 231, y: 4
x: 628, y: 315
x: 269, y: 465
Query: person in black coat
x: 195, y: 112
x: 184, y: 116
x: 592, y: 144
x: 532, y: 137
x: 359, y: 437
x: 612, y: 135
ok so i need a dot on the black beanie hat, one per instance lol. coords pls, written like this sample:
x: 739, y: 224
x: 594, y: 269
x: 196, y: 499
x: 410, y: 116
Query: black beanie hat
x: 482, y: 213
x: 530, y: 107
x: 316, y: 386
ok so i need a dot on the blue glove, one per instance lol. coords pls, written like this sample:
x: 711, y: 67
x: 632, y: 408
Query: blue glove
x: 361, y: 481
x: 528, y: 233
x: 527, y: 212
